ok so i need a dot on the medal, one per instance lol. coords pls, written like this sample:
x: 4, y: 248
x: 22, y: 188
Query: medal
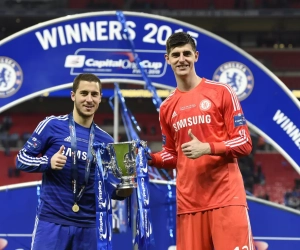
x: 75, y: 208
x: 74, y: 163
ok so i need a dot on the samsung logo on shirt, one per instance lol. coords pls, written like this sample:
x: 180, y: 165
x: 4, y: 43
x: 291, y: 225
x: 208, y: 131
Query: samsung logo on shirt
x: 80, y: 154
x: 190, y: 121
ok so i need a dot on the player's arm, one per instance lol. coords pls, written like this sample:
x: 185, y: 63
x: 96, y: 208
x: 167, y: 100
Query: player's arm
x: 167, y: 157
x: 239, y: 142
x: 28, y: 158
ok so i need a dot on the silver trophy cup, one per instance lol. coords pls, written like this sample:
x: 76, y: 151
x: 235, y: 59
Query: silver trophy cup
x: 123, y: 163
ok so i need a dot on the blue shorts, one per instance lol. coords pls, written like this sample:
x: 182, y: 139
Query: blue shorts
x: 52, y: 236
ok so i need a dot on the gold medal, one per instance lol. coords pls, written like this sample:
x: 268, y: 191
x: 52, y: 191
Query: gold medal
x: 75, y: 208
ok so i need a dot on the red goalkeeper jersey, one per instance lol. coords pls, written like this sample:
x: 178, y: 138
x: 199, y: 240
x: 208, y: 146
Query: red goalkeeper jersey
x: 213, y: 113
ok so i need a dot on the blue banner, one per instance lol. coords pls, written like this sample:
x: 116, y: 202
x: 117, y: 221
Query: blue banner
x: 49, y: 55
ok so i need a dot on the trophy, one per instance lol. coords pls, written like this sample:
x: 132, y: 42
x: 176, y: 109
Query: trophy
x: 123, y: 162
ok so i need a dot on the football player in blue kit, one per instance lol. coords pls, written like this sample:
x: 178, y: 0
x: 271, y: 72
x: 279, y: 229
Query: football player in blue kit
x: 61, y: 148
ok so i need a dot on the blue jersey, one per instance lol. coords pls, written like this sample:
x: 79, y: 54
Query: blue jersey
x: 56, y: 198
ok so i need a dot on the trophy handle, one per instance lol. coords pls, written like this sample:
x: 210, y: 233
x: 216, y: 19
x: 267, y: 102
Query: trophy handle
x: 112, y: 165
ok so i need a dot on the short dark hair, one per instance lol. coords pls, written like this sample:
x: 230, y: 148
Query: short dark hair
x: 85, y: 77
x: 179, y: 39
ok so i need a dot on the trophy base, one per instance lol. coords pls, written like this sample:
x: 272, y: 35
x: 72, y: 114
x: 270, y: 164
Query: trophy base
x: 127, y: 182
x: 126, y: 185
x: 125, y: 192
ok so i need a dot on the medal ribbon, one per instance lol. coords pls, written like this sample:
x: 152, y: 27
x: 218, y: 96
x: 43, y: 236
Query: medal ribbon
x: 74, y: 167
x: 103, y: 202
x: 144, y: 235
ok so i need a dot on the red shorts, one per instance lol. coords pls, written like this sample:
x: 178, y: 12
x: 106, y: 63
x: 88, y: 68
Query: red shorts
x: 226, y: 228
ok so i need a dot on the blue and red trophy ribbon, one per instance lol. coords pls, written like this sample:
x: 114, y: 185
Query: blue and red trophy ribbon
x: 144, y: 237
x: 103, y: 202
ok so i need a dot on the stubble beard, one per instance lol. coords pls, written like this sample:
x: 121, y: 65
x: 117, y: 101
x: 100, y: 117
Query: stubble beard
x: 82, y: 114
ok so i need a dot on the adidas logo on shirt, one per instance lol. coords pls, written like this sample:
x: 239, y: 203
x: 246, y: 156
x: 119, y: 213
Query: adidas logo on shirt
x: 68, y: 139
x: 174, y: 114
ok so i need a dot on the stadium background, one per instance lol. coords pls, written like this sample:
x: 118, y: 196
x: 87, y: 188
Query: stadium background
x: 268, y: 30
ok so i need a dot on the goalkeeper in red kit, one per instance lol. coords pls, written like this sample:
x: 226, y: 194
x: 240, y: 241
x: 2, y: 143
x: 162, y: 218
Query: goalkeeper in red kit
x: 204, y: 132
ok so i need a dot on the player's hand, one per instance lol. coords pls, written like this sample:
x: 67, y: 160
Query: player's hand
x: 195, y: 148
x: 150, y: 163
x: 58, y: 160
x: 124, y: 192
x: 149, y: 158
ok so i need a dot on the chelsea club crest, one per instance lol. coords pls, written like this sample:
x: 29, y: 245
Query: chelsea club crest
x: 238, y: 76
x: 11, y: 77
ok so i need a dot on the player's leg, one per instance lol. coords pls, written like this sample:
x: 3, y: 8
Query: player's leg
x: 231, y: 229
x: 50, y: 236
x: 193, y: 231
x: 84, y: 238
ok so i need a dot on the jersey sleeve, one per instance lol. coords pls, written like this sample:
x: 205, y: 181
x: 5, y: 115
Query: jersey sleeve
x: 167, y: 157
x: 239, y: 142
x: 31, y: 157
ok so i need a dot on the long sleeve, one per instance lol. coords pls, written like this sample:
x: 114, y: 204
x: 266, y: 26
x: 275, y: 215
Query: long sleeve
x: 239, y: 142
x: 30, y: 158
x: 167, y: 157
x: 28, y: 162
x: 212, y: 111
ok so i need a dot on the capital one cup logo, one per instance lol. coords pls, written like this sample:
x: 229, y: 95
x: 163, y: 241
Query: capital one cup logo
x: 238, y: 76
x: 141, y: 162
x: 102, y: 227
x: 145, y: 193
x: 101, y: 199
